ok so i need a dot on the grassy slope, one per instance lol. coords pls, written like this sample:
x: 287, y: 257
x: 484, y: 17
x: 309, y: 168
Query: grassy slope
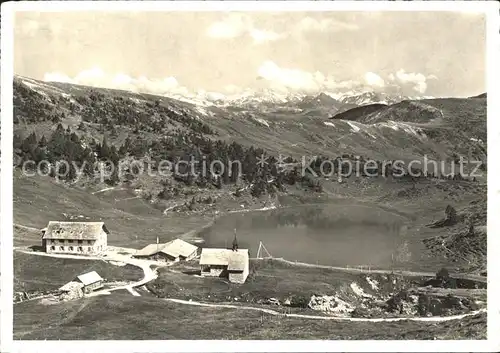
x: 132, y: 223
x: 268, y: 279
x: 449, y: 123
x: 122, y: 316
x: 40, y: 273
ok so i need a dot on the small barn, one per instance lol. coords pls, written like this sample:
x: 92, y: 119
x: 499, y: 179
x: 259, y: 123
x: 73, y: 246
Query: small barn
x: 175, y: 250
x: 85, y: 238
x: 180, y: 250
x: 230, y: 263
x: 90, y: 281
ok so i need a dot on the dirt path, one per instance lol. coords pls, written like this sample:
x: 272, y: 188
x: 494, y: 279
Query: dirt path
x: 337, y: 318
x: 145, y: 265
x: 397, y: 272
x: 26, y: 227
x: 150, y: 275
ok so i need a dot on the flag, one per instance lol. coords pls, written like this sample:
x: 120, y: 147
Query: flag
x: 157, y: 240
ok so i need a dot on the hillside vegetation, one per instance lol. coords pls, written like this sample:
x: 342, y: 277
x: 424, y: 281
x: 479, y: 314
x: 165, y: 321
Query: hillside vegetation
x: 87, y: 126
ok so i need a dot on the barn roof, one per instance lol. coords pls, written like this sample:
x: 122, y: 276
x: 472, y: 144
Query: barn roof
x: 74, y: 230
x: 174, y: 248
x: 178, y: 247
x: 89, y: 278
x: 150, y: 249
x: 235, y: 260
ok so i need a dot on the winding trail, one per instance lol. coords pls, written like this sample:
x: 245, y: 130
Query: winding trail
x: 145, y: 265
x: 150, y: 275
x: 471, y: 277
x: 337, y: 318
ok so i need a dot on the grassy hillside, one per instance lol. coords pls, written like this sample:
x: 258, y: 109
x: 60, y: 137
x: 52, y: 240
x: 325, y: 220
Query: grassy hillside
x: 132, y: 222
x: 122, y: 316
x: 41, y: 273
x: 458, y: 125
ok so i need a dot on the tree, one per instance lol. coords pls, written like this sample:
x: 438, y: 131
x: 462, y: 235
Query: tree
x: 29, y: 143
x: 104, y: 151
x: 443, y: 274
x: 451, y: 215
x: 43, y: 142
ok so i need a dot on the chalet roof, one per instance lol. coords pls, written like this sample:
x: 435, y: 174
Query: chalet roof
x: 74, y: 230
x: 174, y: 248
x: 89, y: 278
x: 178, y: 247
x: 150, y: 249
x: 235, y: 260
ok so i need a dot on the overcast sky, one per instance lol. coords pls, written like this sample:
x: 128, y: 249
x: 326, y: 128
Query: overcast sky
x: 427, y: 53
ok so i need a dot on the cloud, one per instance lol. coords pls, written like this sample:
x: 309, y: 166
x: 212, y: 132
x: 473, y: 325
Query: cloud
x: 57, y: 77
x: 262, y: 36
x: 238, y: 25
x: 414, y: 81
x: 372, y: 79
x: 276, y: 78
x: 96, y: 77
x: 235, y: 25
x: 324, y: 25
x: 286, y: 79
x: 296, y: 80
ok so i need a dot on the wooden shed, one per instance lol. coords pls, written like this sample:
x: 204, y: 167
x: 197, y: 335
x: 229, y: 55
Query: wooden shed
x: 91, y: 281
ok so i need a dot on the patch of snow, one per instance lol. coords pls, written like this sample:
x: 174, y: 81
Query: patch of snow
x: 136, y: 100
x: 117, y: 263
x: 262, y: 121
x: 329, y: 123
x: 373, y: 283
x: 353, y: 126
x: 359, y: 291
x: 390, y: 124
x: 201, y: 110
x: 35, y: 87
x: 372, y: 136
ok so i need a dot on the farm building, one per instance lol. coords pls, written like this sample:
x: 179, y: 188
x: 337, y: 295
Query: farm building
x: 91, y: 281
x: 230, y: 263
x: 85, y: 283
x: 175, y: 250
x: 86, y: 238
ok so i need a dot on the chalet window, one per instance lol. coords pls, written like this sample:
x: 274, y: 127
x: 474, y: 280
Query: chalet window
x: 80, y: 249
x: 80, y: 241
x: 61, y: 248
x: 52, y: 248
x: 52, y: 241
x: 70, y: 241
x: 70, y: 248
x: 89, y: 241
x: 61, y: 241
